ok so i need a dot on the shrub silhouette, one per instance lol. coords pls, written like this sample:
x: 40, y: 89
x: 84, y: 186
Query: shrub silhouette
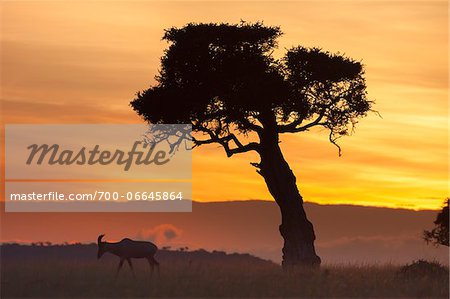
x: 440, y: 234
x: 422, y: 268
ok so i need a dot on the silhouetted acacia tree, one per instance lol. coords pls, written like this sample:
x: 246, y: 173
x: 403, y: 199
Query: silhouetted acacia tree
x: 439, y: 235
x: 224, y: 80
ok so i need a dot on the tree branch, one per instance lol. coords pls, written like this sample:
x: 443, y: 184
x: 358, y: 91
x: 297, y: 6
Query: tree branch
x: 252, y: 126
x: 333, y: 141
x: 287, y: 128
x: 293, y: 127
x: 224, y: 141
x: 154, y: 136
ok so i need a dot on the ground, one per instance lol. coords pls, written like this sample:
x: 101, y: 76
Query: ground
x: 74, y: 271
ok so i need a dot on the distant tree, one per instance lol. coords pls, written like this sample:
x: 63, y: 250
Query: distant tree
x: 224, y: 81
x: 439, y: 235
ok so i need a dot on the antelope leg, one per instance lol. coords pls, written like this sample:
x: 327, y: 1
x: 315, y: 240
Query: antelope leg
x: 120, y: 266
x: 131, y: 266
x: 151, y: 265
x: 155, y: 263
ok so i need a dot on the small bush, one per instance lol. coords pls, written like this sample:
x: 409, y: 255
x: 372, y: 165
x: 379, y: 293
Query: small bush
x: 422, y: 268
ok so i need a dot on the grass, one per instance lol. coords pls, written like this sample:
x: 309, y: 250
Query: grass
x: 221, y: 277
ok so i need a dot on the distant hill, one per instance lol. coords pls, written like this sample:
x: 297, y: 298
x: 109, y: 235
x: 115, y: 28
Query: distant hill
x: 88, y: 252
x: 345, y: 233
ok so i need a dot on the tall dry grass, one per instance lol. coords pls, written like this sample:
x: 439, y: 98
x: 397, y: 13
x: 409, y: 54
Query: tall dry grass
x: 183, y: 275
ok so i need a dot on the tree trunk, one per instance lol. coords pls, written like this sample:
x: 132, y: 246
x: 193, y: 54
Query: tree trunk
x: 295, y: 228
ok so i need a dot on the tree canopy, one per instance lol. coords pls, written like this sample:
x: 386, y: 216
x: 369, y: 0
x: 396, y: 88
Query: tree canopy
x: 225, y: 81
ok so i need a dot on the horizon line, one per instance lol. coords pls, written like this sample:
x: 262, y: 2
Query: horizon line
x: 230, y: 201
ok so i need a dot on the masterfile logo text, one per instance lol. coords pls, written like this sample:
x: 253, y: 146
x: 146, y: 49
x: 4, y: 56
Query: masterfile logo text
x: 68, y: 166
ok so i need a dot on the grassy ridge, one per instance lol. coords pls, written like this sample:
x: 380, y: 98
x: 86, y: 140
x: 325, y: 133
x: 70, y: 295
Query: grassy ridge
x: 73, y: 271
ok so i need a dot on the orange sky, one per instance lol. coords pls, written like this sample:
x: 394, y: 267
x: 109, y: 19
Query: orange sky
x: 82, y: 62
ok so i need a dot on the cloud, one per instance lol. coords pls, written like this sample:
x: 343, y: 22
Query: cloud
x: 160, y: 234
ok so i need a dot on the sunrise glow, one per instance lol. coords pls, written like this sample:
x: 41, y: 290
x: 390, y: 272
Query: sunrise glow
x: 83, y: 63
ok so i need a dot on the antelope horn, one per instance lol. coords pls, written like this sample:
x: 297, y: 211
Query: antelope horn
x: 99, y: 239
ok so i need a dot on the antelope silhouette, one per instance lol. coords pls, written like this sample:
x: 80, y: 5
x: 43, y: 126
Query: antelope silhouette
x: 128, y: 249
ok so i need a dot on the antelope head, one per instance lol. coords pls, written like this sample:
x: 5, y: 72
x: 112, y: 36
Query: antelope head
x: 101, y: 246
